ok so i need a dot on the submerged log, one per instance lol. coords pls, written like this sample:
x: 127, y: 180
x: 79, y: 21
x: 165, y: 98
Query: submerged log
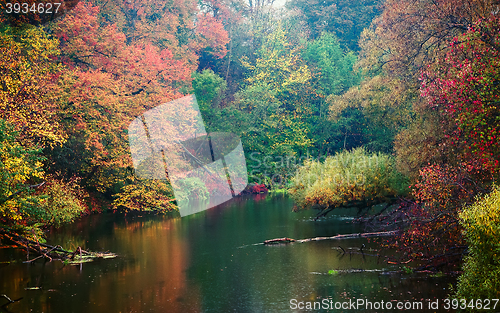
x: 338, y: 237
x: 55, y: 252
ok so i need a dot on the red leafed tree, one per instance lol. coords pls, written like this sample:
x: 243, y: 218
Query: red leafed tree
x: 123, y: 59
x: 212, y: 35
x: 465, y: 88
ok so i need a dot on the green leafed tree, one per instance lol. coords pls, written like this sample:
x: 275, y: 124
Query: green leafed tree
x: 346, y: 19
x: 334, y: 65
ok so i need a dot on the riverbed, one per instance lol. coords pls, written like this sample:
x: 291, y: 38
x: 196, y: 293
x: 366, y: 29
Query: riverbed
x: 213, y: 261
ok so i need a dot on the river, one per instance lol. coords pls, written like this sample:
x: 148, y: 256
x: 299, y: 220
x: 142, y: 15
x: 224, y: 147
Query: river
x: 212, y: 262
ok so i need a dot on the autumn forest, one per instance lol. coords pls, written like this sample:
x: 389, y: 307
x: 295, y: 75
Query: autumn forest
x: 393, y: 102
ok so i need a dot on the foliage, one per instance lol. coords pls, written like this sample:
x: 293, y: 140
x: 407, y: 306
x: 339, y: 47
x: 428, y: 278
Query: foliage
x: 432, y: 218
x: 27, y: 74
x: 347, y: 177
x: 419, y: 144
x: 30, y: 198
x: 269, y: 112
x: 464, y: 89
x: 481, y: 277
x: 145, y: 195
x: 385, y: 104
x: 193, y: 188
x: 20, y: 171
x: 259, y: 118
x: 458, y: 136
x: 335, y: 68
x: 346, y: 19
x: 410, y: 34
x: 280, y: 67
x: 123, y: 60
x: 209, y: 89
x: 63, y: 202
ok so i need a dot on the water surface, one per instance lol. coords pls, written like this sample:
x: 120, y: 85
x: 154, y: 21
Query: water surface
x: 211, y: 262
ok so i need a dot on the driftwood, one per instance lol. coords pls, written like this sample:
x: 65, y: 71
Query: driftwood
x: 55, y: 252
x: 338, y: 237
x: 4, y: 306
x: 279, y: 240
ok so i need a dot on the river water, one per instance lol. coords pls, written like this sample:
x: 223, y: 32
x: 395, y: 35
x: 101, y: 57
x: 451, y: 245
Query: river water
x: 212, y: 262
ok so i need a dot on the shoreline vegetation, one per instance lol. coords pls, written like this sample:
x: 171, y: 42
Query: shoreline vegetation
x: 401, y: 109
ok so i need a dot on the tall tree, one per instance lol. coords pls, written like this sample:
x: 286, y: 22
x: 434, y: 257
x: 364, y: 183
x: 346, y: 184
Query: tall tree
x: 346, y: 19
x: 28, y: 72
x: 123, y: 59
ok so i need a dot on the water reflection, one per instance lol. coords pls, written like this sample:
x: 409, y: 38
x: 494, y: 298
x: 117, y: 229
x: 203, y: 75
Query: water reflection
x: 208, y: 262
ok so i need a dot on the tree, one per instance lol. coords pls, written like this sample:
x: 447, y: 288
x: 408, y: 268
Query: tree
x: 386, y: 105
x: 279, y: 79
x: 122, y: 61
x: 481, y: 276
x: 345, y: 19
x: 21, y: 172
x: 334, y: 66
x: 28, y: 72
x: 464, y: 89
x: 408, y: 35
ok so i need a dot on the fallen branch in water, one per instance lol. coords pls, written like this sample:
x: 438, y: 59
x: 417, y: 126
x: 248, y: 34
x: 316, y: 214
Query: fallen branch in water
x: 56, y: 252
x: 338, y: 237
x: 8, y: 299
x: 279, y: 240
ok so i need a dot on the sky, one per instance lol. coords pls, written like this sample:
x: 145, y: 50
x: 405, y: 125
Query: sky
x: 279, y: 3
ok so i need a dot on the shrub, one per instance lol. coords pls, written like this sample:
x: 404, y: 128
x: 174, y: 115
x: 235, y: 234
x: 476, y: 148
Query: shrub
x: 481, y: 277
x: 346, y: 177
x: 63, y: 202
x: 145, y: 195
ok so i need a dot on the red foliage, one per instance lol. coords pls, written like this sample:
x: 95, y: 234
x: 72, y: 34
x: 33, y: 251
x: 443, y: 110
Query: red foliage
x: 465, y: 89
x: 259, y: 188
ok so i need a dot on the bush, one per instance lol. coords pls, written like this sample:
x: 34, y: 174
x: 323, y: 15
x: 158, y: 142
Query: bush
x: 21, y: 170
x: 348, y: 176
x: 145, y: 195
x: 63, y: 202
x: 481, y: 277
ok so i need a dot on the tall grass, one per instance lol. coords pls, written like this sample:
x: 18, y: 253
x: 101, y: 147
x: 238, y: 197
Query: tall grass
x: 346, y: 177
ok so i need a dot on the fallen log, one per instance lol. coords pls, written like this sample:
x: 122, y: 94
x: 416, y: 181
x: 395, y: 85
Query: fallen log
x: 337, y: 237
x: 279, y: 240
x: 55, y: 252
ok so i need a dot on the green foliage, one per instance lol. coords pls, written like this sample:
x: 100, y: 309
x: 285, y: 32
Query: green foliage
x: 207, y: 87
x: 385, y: 106
x: 195, y: 187
x: 62, y: 202
x: 481, y: 277
x: 347, y: 177
x: 335, y: 67
x: 345, y: 18
x: 20, y: 168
